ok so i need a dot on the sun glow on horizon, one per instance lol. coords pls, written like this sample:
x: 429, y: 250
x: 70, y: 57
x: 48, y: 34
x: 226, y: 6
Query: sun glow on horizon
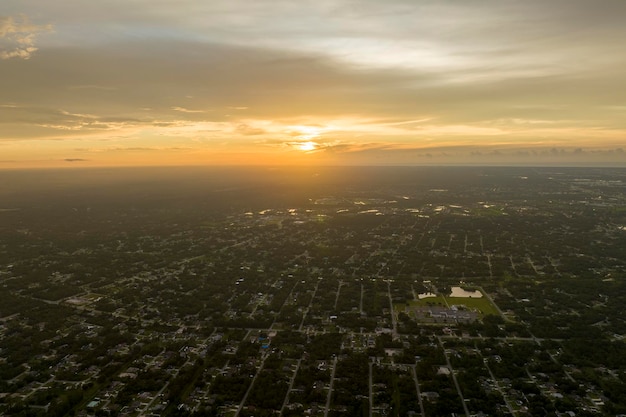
x: 307, y: 132
x: 307, y: 146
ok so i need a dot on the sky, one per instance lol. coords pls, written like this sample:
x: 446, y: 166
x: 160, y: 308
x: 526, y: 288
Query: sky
x: 330, y: 82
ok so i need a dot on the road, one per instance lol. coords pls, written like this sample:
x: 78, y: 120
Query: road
x: 417, y: 390
x: 393, y: 314
x: 371, y: 385
x: 361, y: 300
x: 486, y: 294
x: 537, y: 340
x: 330, y: 387
x: 293, y: 378
x: 338, y: 292
x: 289, y: 298
x: 506, y: 401
x: 245, y: 397
x: 452, y: 373
x: 309, y: 306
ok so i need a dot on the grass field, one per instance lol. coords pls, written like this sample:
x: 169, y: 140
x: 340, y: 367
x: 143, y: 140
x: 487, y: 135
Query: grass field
x: 483, y: 305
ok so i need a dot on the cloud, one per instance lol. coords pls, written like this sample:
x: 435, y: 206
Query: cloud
x: 17, y: 37
x: 75, y: 160
x: 184, y: 110
x: 360, y: 74
x: 132, y: 149
x: 22, y: 121
x: 159, y: 74
x: 247, y: 130
x: 91, y: 87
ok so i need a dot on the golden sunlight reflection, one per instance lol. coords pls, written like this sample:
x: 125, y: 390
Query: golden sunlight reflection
x: 307, y: 132
x: 307, y: 146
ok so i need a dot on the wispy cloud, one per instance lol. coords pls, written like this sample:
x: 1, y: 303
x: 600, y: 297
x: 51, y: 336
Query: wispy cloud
x: 184, y: 110
x: 17, y: 36
x: 129, y: 149
x: 247, y: 130
x: 92, y: 87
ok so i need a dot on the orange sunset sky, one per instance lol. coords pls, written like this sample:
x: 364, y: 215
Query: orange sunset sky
x: 334, y: 82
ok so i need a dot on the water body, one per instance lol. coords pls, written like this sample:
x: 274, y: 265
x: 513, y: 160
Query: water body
x: 426, y: 295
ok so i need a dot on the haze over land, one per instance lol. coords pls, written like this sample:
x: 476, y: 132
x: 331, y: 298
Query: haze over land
x: 329, y: 292
x: 335, y: 82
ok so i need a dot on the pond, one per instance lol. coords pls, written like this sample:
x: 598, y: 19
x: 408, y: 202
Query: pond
x: 426, y: 295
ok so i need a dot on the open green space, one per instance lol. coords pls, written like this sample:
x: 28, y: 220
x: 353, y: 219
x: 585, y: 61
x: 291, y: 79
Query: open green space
x: 482, y: 304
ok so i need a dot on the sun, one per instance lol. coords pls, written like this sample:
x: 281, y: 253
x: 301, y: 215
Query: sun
x: 306, y: 137
x: 307, y: 146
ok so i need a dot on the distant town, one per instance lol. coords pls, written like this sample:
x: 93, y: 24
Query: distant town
x: 347, y: 292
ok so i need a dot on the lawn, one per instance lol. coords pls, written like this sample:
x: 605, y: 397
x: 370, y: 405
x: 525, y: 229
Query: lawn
x: 481, y: 304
